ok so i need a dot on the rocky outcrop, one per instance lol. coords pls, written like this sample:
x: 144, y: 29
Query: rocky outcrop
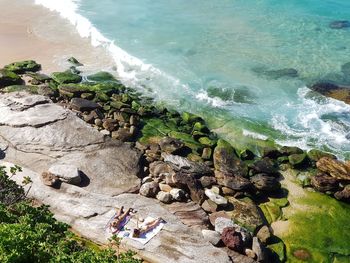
x: 334, y: 168
x: 334, y: 91
x: 40, y: 133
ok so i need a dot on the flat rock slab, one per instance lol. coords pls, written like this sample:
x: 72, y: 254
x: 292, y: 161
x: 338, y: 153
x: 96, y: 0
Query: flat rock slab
x: 88, y: 213
x: 40, y: 133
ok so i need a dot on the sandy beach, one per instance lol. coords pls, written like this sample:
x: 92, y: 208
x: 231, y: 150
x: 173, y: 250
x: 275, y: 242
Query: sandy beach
x: 28, y: 31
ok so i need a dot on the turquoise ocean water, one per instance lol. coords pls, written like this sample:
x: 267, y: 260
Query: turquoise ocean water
x: 215, y: 58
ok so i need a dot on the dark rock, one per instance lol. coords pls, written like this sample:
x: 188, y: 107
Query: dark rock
x: 226, y: 160
x: 8, y: 78
x: 83, y: 104
x: 237, y: 183
x: 265, y: 183
x: 298, y: 160
x: 245, y: 213
x: 195, y: 188
x: 101, y: 77
x: 66, y: 77
x: 122, y: 134
x: 247, y: 155
x: 339, y: 24
x: 279, y: 73
x: 110, y: 124
x: 183, y: 164
x: 171, y: 145
x: 324, y: 183
x: 333, y: 91
x: 191, y: 118
x: 343, y: 195
x: 334, y: 168
x: 23, y: 66
x: 288, y: 150
x: 207, y: 181
x: 271, y: 152
x: 265, y: 165
x: 74, y: 61
x: 232, y: 239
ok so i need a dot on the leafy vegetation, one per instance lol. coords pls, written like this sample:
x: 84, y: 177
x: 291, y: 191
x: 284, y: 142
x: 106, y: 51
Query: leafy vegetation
x: 32, y: 234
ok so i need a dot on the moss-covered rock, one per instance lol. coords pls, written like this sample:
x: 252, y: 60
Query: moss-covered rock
x: 187, y: 139
x: 23, y: 66
x: 315, y: 155
x: 279, y: 249
x: 101, y: 76
x: 298, y: 160
x: 39, y: 77
x: 191, y: 118
x: 288, y: 150
x: 153, y: 131
x: 8, y: 78
x: 207, y: 141
x: 74, y: 61
x: 17, y: 88
x: 73, y: 90
x: 66, y: 77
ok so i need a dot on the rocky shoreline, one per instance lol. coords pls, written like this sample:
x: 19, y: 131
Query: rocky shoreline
x: 182, y: 162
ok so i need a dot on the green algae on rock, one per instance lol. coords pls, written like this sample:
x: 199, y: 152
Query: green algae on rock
x: 66, y: 77
x: 101, y: 76
x: 9, y: 78
x: 23, y: 66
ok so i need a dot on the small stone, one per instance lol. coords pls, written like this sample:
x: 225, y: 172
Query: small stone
x: 265, y: 182
x: 264, y: 234
x: 49, y: 179
x: 216, y: 190
x: 218, y: 199
x: 164, y: 197
x: 250, y: 253
x: 133, y: 130
x: 207, y: 153
x: 232, y: 239
x: 147, y: 179
x: 149, y: 189
x: 178, y: 194
x: 165, y: 187
x: 343, y: 195
x: 259, y: 249
x: 122, y: 134
x: 209, y: 206
x: 98, y: 122
x: 215, y: 215
x: 110, y: 124
x: 207, y: 181
x: 221, y: 223
x: 228, y: 191
x: 211, y: 236
x: 170, y: 145
x: 66, y: 173
x: 133, y: 120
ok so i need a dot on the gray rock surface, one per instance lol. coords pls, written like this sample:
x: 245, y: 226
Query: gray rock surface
x: 37, y: 134
x: 88, y: 213
x: 66, y: 173
x: 211, y: 236
x: 40, y: 133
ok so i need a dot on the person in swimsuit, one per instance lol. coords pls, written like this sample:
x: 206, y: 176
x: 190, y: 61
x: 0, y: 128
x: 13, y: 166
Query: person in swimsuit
x: 138, y: 232
x: 120, y: 217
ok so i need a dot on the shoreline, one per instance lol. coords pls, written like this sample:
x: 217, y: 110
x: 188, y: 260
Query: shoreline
x: 30, y: 31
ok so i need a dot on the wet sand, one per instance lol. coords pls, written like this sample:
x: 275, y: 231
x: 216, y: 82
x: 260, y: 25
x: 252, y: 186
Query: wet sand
x: 28, y: 31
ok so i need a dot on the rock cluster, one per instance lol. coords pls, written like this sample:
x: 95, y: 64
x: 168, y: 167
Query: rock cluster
x: 183, y: 161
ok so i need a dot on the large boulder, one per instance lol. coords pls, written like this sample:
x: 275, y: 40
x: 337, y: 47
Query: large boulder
x: 66, y: 77
x: 226, y: 160
x: 343, y: 195
x: 42, y: 133
x: 325, y: 183
x: 23, y: 66
x: 265, y: 183
x: 334, y: 168
x: 66, y: 173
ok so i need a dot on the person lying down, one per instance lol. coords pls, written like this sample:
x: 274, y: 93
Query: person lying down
x: 121, y: 218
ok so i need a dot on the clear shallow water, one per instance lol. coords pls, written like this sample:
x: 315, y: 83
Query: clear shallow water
x: 210, y: 57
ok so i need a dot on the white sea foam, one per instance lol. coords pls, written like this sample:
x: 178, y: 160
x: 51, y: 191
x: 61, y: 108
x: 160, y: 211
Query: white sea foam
x: 311, y: 126
x: 214, y: 101
x: 254, y: 135
x: 129, y: 68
